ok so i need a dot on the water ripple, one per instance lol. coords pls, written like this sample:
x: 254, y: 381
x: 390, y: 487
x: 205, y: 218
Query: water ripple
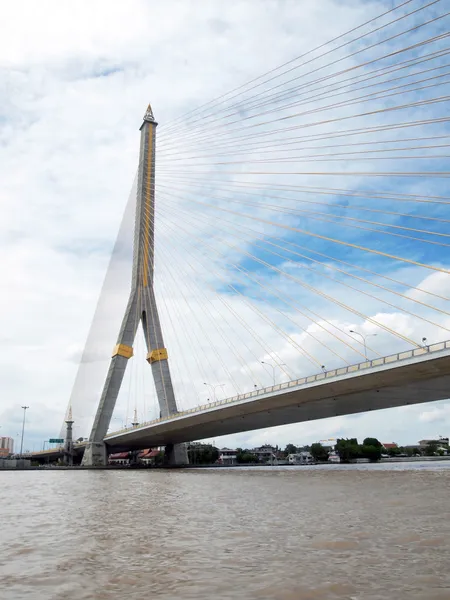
x: 355, y: 533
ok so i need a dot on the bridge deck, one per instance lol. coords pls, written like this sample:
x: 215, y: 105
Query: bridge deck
x: 411, y: 377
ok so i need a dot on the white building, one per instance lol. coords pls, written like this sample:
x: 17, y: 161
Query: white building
x: 265, y: 453
x: 301, y: 458
x: 437, y: 442
x: 227, y: 456
x: 6, y: 446
x: 334, y: 458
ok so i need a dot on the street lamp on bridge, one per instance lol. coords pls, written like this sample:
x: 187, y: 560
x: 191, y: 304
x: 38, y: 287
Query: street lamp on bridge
x: 364, y: 337
x: 214, y: 387
x: 273, y: 368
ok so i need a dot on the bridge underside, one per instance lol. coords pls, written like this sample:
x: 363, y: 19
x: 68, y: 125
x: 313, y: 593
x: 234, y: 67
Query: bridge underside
x: 412, y: 383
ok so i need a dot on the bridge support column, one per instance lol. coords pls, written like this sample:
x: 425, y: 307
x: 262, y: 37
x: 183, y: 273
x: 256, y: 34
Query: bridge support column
x: 176, y: 455
x: 95, y: 455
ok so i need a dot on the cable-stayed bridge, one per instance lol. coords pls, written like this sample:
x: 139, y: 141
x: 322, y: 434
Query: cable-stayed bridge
x: 295, y: 225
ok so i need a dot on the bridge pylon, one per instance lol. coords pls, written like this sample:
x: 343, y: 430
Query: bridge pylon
x: 142, y: 308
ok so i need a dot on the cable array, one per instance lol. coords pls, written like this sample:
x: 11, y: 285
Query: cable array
x: 306, y: 210
x: 278, y: 229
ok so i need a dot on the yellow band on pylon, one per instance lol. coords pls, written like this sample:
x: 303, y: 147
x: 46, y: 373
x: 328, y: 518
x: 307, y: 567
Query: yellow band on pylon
x: 122, y: 350
x: 148, y: 209
x: 159, y: 354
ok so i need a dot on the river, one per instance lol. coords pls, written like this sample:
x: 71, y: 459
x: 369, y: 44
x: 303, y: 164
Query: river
x: 357, y: 532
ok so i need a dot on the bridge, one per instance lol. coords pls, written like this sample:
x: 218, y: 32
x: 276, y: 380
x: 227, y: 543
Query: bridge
x: 271, y: 243
x: 411, y: 377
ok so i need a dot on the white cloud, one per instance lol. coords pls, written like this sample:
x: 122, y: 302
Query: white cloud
x: 436, y: 414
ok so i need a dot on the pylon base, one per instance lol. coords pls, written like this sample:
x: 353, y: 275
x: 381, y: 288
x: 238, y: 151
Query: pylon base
x: 176, y: 455
x: 95, y: 455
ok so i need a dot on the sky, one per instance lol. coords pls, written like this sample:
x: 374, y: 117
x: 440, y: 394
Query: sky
x: 75, y: 80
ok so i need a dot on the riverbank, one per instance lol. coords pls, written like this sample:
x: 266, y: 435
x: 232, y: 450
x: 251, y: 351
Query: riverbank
x: 402, y: 459
x: 414, y: 459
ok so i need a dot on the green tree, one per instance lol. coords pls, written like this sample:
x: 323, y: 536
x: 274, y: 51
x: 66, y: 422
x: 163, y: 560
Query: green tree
x: 290, y: 449
x: 348, y: 449
x: 393, y: 451
x: 373, y: 453
x: 159, y: 459
x: 431, y: 449
x: 203, y: 455
x: 244, y: 456
x: 319, y: 452
x: 372, y: 442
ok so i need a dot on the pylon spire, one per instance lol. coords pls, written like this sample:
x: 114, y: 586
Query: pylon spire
x: 149, y: 115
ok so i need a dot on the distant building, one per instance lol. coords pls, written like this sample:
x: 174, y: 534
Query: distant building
x: 6, y: 446
x: 389, y: 445
x: 264, y: 453
x: 148, y: 456
x: 334, y: 458
x: 442, y: 441
x: 414, y: 447
x: 279, y: 454
x: 227, y: 456
x: 120, y: 458
x: 300, y: 458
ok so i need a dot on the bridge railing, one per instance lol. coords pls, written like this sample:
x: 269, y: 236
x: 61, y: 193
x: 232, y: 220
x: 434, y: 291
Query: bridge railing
x: 49, y: 450
x: 376, y: 362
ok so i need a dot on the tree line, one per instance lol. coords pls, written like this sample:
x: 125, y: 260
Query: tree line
x: 372, y: 449
x: 349, y: 449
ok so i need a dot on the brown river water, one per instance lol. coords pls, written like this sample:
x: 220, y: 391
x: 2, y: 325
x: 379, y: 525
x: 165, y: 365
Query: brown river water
x: 361, y: 532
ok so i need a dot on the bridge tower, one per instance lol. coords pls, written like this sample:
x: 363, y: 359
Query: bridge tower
x: 68, y: 440
x: 141, y: 307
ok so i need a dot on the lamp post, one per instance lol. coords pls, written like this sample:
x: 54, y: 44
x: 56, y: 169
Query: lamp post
x: 214, y: 387
x: 23, y: 427
x: 209, y: 385
x: 273, y: 368
x: 364, y: 337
